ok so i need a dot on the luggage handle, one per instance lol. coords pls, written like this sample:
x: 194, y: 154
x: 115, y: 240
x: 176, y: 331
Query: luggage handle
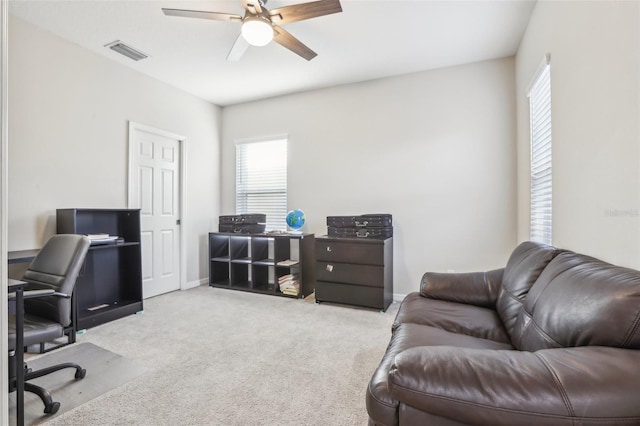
x: 361, y: 234
x: 365, y: 223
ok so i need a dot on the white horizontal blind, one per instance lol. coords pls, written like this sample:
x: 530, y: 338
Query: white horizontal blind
x: 261, y: 180
x: 541, y: 183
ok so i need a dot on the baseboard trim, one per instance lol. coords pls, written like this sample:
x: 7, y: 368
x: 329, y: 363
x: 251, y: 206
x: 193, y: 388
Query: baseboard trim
x: 194, y: 284
x: 398, y: 297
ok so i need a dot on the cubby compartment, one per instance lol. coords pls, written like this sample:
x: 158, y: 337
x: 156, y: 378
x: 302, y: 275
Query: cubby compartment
x: 219, y: 272
x: 239, y: 249
x: 262, y: 278
x: 219, y: 249
x: 240, y: 275
x: 260, y: 251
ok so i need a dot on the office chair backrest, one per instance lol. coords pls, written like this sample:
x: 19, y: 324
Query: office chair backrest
x: 56, y: 267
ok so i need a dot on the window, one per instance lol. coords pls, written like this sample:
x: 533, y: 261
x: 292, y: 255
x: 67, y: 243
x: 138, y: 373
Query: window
x: 540, y: 122
x: 261, y: 180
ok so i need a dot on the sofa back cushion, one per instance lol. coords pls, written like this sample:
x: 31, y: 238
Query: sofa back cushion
x: 523, y: 268
x: 580, y: 301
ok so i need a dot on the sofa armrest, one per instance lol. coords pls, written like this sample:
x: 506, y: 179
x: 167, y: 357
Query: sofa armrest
x: 502, y: 387
x: 473, y: 288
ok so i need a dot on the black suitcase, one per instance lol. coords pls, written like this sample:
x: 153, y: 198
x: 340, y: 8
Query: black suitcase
x: 365, y: 221
x: 242, y: 228
x: 360, y: 232
x: 251, y: 218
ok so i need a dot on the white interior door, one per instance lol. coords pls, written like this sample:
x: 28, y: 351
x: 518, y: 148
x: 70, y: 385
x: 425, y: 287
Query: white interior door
x: 155, y: 186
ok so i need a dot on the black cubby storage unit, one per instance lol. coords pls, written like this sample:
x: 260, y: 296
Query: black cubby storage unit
x: 255, y: 262
x: 110, y: 284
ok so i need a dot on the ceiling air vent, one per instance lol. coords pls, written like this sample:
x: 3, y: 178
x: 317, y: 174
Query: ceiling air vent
x: 125, y: 50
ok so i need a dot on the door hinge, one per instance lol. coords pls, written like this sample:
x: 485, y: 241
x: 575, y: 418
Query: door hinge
x: 178, y: 222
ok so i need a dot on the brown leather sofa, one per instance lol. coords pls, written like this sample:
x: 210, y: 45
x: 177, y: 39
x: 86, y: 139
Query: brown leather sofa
x: 550, y: 339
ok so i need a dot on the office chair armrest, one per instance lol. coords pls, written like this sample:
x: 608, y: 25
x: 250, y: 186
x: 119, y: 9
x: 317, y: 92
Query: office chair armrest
x: 32, y: 293
x: 39, y: 293
x: 46, y: 292
x: 35, y: 286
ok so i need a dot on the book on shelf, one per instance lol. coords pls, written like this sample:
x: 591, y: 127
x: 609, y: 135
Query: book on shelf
x: 288, y: 277
x: 289, y: 285
x: 288, y: 262
x: 97, y: 236
x: 291, y: 291
x: 103, y: 239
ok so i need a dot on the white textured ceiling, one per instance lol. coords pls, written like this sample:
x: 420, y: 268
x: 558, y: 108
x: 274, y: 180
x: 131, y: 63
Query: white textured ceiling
x: 370, y: 39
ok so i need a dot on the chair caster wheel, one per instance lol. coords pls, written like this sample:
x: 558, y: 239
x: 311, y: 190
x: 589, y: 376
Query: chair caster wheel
x: 80, y: 374
x: 52, y: 408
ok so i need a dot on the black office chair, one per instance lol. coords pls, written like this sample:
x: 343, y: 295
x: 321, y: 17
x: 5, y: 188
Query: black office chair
x: 51, y: 277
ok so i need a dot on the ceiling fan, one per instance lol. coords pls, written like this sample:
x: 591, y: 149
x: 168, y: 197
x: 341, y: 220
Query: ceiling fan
x: 260, y: 26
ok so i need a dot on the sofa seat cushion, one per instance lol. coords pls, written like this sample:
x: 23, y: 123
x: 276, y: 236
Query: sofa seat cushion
x: 380, y: 406
x: 451, y: 316
x: 551, y: 387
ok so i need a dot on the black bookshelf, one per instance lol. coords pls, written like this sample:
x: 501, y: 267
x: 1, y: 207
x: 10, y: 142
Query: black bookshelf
x: 110, y: 284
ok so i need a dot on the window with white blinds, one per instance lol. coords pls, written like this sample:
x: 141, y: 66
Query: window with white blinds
x: 261, y: 180
x: 541, y: 188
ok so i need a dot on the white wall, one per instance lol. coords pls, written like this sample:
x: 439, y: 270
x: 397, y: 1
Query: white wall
x: 68, y: 115
x: 435, y: 149
x: 595, y: 84
x: 4, y: 334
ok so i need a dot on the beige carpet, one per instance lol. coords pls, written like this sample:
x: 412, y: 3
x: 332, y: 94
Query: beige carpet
x: 222, y: 357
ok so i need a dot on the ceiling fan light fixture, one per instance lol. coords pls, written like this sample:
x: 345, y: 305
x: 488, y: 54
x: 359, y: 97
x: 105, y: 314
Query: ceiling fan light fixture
x: 257, y: 31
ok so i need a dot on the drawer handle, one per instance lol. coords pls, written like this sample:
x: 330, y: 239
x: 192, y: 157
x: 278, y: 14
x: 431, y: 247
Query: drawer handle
x: 329, y: 268
x: 328, y: 248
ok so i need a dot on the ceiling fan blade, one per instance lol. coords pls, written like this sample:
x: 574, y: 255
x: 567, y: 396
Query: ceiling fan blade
x: 202, y: 15
x: 285, y: 39
x: 238, y: 49
x: 299, y: 12
x: 252, y: 6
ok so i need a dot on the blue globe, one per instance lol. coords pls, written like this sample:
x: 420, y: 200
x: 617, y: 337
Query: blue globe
x: 295, y: 219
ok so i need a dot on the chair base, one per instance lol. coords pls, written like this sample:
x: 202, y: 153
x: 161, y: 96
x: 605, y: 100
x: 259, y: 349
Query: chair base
x: 50, y: 406
x: 44, y: 347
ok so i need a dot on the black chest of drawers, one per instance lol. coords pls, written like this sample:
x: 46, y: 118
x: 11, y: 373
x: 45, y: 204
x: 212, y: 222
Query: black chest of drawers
x: 354, y: 271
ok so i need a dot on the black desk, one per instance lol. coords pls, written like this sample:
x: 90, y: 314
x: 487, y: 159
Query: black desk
x: 22, y: 256
x: 18, y: 287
